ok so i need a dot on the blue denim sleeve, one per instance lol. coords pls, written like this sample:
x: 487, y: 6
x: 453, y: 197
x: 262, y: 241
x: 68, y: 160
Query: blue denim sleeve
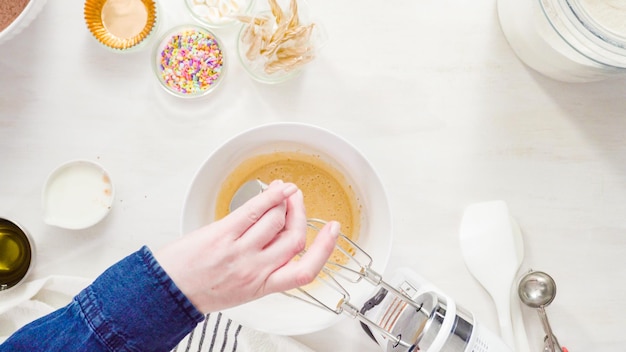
x: 132, y: 306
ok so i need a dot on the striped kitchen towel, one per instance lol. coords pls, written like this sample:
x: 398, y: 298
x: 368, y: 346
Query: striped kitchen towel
x: 217, y: 333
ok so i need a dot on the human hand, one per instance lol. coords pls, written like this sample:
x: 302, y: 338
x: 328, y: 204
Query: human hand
x: 248, y: 254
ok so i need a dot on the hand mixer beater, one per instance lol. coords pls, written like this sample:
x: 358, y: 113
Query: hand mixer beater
x: 406, y: 314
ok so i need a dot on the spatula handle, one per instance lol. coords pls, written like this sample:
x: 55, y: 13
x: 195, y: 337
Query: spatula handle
x: 519, y: 329
x: 504, y: 318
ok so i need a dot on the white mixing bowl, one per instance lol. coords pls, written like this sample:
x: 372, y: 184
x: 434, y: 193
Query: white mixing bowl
x: 277, y: 313
x: 22, y: 21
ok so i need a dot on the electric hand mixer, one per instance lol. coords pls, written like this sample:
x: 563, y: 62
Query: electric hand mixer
x: 406, y: 314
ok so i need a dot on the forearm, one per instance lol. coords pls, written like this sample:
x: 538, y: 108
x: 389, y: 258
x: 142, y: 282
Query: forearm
x: 132, y: 306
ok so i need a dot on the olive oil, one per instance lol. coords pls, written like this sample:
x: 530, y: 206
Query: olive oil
x: 15, y: 254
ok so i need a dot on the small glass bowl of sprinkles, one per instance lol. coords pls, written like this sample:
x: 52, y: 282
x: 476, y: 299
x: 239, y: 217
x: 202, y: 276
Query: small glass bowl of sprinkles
x: 189, y: 61
x: 218, y: 13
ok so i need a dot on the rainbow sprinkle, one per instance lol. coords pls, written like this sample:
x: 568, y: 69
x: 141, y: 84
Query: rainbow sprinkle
x: 191, y: 62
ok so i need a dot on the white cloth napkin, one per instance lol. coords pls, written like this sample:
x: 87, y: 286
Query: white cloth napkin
x: 36, y: 298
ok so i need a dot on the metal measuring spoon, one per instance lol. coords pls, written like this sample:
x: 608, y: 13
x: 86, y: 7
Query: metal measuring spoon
x: 537, y: 290
x: 246, y: 192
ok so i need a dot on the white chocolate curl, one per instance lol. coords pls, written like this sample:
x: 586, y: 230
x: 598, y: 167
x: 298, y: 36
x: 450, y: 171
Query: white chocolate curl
x: 284, y: 43
x: 216, y: 11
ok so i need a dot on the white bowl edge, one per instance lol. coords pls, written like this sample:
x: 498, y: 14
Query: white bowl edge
x: 30, y: 12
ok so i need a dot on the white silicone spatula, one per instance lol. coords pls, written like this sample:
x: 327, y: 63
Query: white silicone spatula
x: 490, y: 243
x: 519, y: 330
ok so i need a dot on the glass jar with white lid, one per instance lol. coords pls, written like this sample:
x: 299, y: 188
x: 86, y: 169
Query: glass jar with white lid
x: 568, y: 40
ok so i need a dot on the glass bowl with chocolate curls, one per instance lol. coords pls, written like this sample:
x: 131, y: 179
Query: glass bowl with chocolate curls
x: 275, y: 45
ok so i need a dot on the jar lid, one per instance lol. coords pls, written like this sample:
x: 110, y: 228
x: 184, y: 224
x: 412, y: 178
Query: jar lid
x: 590, y: 28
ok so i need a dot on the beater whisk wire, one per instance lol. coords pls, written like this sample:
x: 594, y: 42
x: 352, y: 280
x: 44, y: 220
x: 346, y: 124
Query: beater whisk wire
x: 363, y: 268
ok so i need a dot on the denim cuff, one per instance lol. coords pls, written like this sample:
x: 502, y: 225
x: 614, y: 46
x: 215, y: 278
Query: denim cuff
x: 135, y: 306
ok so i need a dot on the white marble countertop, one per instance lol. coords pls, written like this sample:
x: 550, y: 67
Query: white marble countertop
x: 430, y: 93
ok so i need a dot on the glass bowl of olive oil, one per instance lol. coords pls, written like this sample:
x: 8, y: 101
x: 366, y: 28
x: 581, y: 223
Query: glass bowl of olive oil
x: 16, y: 254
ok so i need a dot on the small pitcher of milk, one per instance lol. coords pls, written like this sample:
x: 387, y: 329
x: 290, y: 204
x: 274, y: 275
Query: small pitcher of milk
x: 568, y: 40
